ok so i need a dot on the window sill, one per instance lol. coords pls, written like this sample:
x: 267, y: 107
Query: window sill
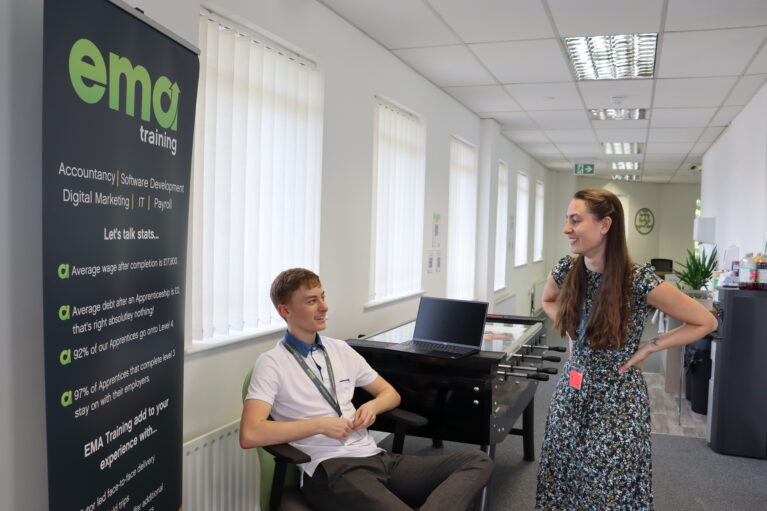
x: 502, y: 298
x: 220, y: 341
x: 520, y: 265
x: 374, y: 304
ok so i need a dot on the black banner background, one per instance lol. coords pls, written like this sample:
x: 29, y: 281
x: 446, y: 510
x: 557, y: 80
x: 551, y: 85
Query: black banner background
x: 114, y: 262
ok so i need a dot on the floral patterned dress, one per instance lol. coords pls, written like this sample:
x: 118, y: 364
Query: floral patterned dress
x: 596, y: 452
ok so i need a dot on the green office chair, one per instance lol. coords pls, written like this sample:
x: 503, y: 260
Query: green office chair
x: 280, y: 475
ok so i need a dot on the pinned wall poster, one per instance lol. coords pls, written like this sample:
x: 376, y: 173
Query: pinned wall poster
x: 118, y: 119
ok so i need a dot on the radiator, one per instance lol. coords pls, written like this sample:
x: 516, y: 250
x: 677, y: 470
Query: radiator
x: 218, y: 474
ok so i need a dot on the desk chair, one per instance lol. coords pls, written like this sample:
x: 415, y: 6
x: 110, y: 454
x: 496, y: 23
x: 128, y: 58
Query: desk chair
x: 278, y: 463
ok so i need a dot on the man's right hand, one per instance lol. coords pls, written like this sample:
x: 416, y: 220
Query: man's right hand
x: 335, y: 427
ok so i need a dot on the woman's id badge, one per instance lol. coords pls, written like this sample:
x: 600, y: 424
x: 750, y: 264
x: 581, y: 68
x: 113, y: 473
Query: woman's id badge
x: 576, y: 375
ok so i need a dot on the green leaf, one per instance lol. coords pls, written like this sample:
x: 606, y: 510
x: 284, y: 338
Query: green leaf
x: 696, y: 272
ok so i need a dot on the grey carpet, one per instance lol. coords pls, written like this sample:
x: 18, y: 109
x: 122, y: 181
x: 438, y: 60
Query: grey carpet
x: 687, y: 475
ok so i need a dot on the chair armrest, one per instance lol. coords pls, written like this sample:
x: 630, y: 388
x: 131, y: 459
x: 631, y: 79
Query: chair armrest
x: 288, y: 453
x: 408, y: 418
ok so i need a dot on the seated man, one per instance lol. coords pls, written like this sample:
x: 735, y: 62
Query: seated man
x: 306, y: 383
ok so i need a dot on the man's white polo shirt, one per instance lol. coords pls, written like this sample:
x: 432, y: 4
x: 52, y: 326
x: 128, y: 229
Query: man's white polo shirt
x: 279, y: 381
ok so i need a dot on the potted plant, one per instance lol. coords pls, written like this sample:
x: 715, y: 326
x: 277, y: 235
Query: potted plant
x: 696, y: 273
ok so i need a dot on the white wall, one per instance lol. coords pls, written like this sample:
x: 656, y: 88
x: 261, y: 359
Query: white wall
x: 734, y: 180
x: 673, y: 207
x: 23, y: 473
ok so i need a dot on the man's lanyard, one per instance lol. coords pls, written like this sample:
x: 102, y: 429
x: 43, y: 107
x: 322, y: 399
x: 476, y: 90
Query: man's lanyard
x: 332, y: 401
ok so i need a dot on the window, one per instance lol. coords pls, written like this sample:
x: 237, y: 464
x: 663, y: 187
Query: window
x: 538, y: 243
x: 399, y: 170
x: 501, y: 226
x: 255, y: 179
x: 462, y: 220
x: 520, y: 245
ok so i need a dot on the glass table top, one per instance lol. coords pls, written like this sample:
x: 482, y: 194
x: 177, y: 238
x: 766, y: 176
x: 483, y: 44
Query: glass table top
x: 498, y: 337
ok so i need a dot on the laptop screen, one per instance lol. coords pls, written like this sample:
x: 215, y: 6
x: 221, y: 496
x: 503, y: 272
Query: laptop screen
x: 447, y: 320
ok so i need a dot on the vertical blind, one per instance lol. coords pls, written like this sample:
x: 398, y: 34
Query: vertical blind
x: 256, y: 178
x: 538, y: 243
x: 520, y: 239
x: 501, y: 226
x: 399, y: 171
x: 462, y: 220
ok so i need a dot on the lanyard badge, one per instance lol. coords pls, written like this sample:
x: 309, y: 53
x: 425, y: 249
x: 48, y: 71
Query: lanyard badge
x: 576, y: 375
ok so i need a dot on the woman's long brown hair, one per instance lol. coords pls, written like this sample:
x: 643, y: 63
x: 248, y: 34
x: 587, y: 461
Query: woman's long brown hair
x: 610, y: 311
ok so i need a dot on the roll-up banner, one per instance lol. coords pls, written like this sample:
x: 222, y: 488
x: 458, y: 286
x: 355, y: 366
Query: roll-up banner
x: 118, y: 119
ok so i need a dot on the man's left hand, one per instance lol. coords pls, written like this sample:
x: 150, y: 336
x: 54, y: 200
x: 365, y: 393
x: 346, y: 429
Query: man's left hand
x: 365, y: 416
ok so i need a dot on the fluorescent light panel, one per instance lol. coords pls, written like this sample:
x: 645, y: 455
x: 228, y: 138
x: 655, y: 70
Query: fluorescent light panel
x: 626, y: 177
x: 617, y: 114
x: 613, y: 57
x: 622, y: 147
x: 624, y: 165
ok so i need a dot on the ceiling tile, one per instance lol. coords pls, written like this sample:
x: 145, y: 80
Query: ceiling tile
x: 702, y: 14
x: 672, y: 148
x: 579, y: 150
x: 673, y: 135
x: 620, y: 125
x: 759, y: 65
x: 659, y: 168
x: 711, y: 134
x: 511, y: 120
x: 665, y: 159
x: 495, y: 20
x: 541, y: 149
x: 630, y: 93
x: 525, y: 61
x: 527, y: 136
x: 623, y: 135
x: 592, y: 17
x: 556, y: 164
x: 447, y: 65
x: 395, y: 23
x: 560, y: 119
x: 564, y: 136
x: 708, y: 53
x: 700, y: 149
x: 725, y: 115
x: 681, y: 117
x: 655, y: 179
x: 546, y: 96
x: 745, y: 89
x: 681, y: 179
x: 692, y: 92
x: 484, y: 98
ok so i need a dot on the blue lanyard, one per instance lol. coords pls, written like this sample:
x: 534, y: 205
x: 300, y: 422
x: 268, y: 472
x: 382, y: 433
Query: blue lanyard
x: 331, y: 399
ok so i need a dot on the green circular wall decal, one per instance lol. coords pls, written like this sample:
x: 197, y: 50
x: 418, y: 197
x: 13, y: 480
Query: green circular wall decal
x: 644, y: 221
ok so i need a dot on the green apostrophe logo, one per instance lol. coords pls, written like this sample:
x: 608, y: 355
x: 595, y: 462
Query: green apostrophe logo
x: 91, y: 77
x: 644, y: 221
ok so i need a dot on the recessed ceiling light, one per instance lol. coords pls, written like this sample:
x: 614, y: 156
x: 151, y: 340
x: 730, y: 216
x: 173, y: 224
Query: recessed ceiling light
x: 622, y: 147
x: 617, y: 114
x: 626, y: 177
x: 624, y: 165
x: 613, y: 57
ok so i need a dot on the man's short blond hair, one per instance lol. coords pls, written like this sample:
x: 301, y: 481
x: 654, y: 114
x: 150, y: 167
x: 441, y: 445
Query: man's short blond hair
x: 288, y: 281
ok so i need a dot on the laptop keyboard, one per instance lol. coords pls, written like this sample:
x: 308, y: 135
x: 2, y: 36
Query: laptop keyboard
x: 431, y: 346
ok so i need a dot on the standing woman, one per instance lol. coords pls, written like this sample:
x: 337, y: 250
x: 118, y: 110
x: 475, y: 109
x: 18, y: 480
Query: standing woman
x: 596, y: 452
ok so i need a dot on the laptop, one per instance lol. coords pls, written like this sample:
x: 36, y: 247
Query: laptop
x: 446, y: 328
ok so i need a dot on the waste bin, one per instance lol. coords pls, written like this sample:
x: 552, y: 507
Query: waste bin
x: 697, y: 361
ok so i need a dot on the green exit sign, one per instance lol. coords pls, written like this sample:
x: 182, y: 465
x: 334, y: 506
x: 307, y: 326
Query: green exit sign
x: 584, y: 169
